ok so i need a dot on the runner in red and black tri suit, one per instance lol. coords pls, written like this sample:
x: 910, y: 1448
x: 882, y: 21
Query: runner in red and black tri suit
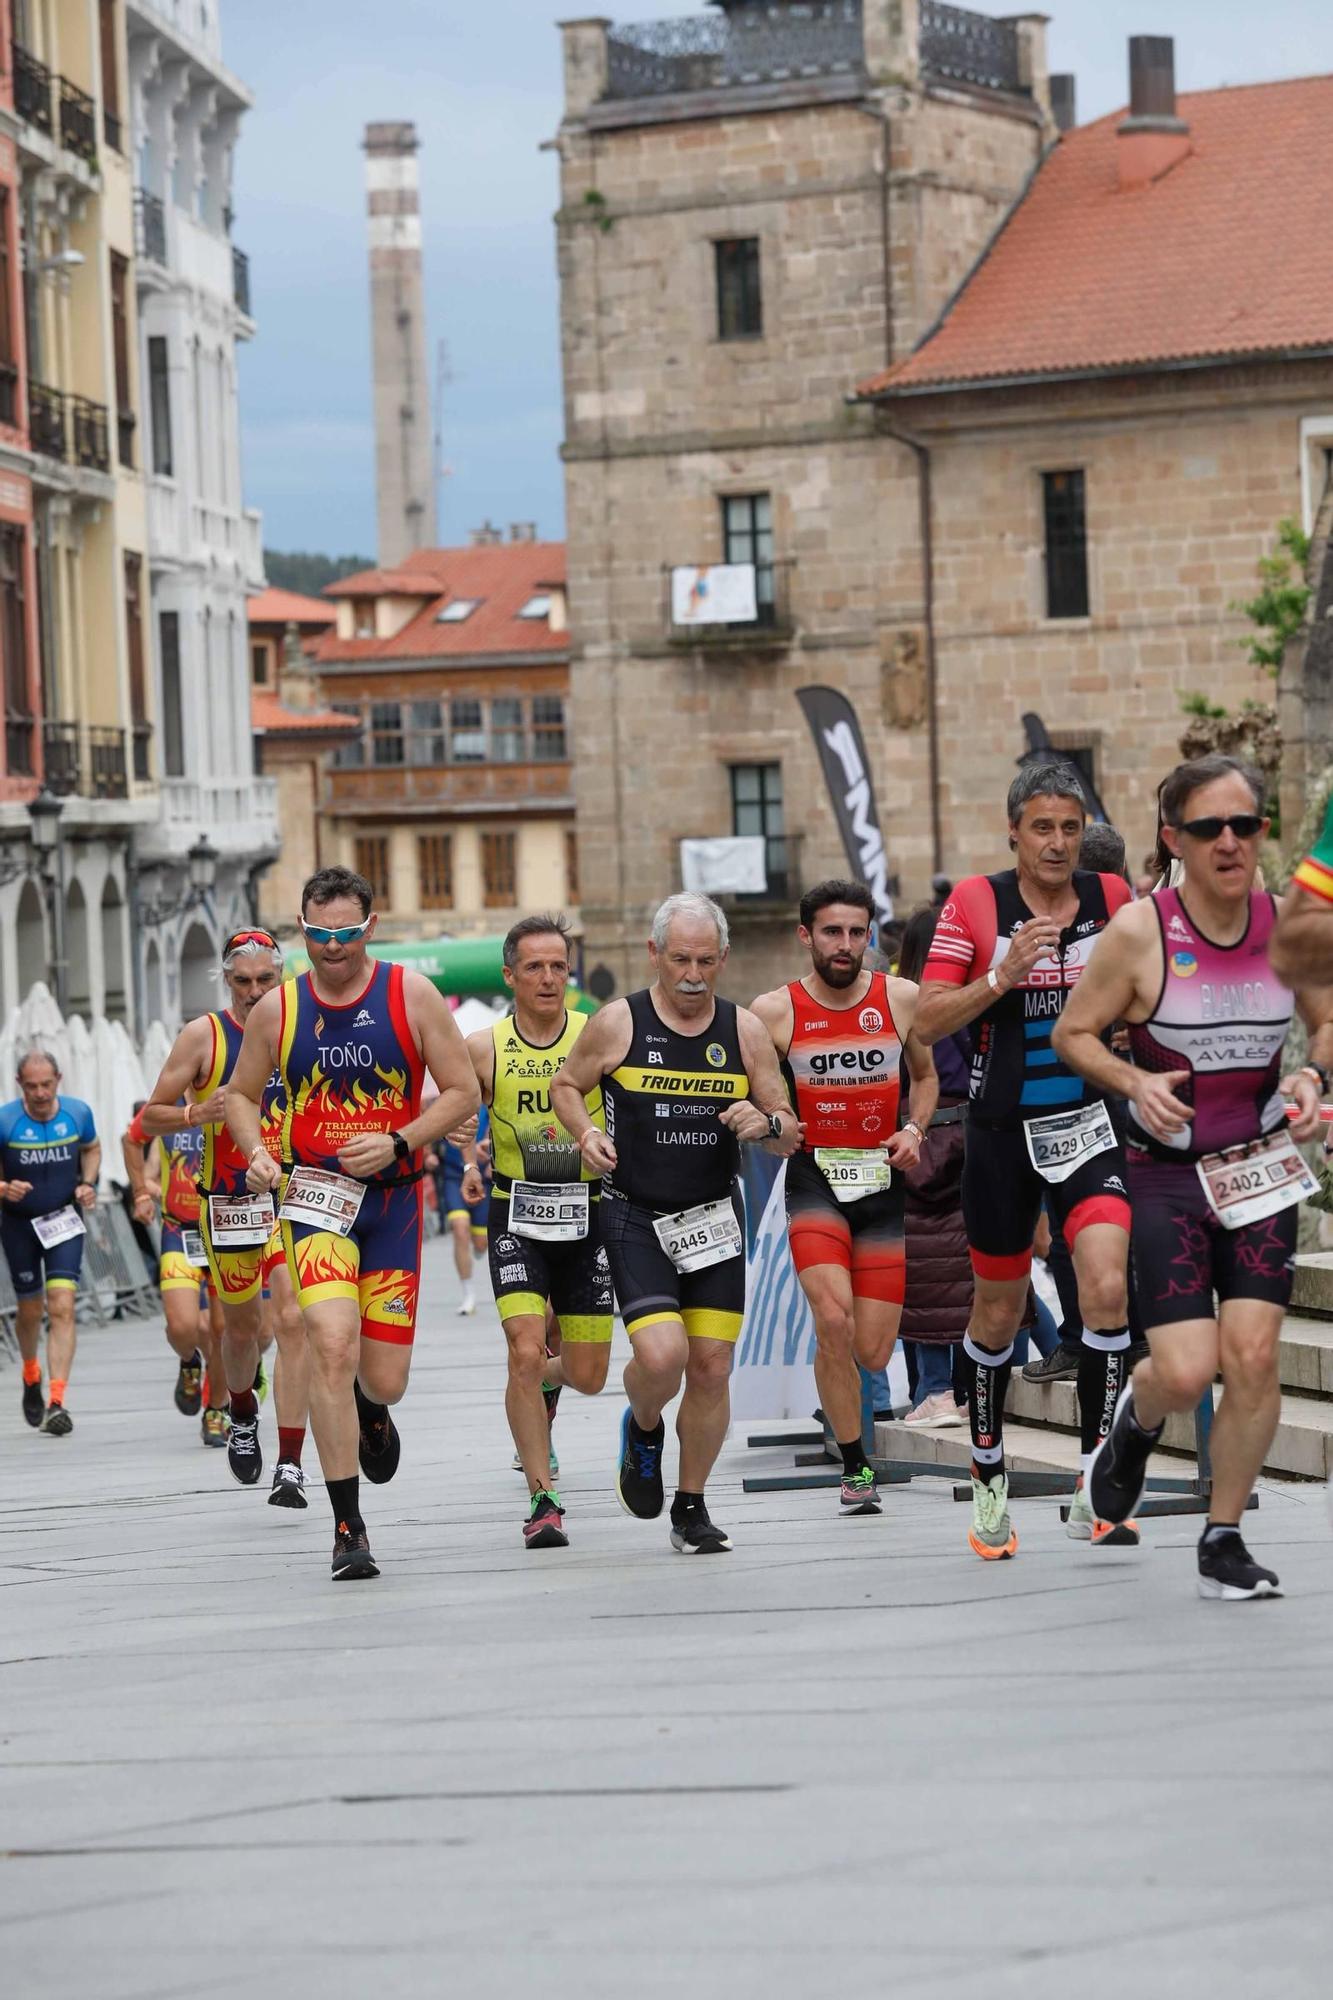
x: 842, y: 1033
x: 1007, y: 950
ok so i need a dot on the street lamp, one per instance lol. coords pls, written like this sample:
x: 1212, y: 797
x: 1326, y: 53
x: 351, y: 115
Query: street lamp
x: 201, y: 874
x: 203, y: 860
x: 44, y: 811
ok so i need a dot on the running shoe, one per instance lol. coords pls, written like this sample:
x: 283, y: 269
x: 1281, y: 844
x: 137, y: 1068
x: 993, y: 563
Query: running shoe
x: 935, y: 1413
x: 991, y: 1535
x: 189, y: 1391
x: 352, y: 1559
x: 516, y: 1464
x: 379, y: 1446
x: 467, y: 1305
x: 288, y: 1485
x: 695, y: 1535
x: 639, y: 1473
x: 860, y: 1493
x: 260, y: 1383
x: 1060, y: 1365
x: 1082, y: 1524
x: 57, y: 1423
x: 1119, y: 1466
x: 1228, y: 1570
x: 214, y: 1426
x: 544, y: 1527
x: 34, y: 1403
x: 243, y: 1454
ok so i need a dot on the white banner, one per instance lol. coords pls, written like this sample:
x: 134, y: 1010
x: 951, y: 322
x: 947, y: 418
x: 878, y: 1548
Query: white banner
x: 722, y: 594
x: 731, y: 865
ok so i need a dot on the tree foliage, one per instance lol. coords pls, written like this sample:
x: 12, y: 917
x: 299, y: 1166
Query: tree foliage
x: 1278, y: 611
x: 307, y: 573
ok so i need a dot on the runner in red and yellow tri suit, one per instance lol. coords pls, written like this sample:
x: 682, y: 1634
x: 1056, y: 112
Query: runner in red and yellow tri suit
x: 350, y: 1042
x: 843, y: 1034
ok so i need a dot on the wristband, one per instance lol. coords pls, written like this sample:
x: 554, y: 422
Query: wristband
x: 1318, y: 1072
x: 993, y: 980
x: 260, y: 1148
x: 910, y: 1125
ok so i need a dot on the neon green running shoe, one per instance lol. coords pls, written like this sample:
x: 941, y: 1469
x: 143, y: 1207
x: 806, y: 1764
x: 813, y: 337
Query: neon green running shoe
x: 991, y: 1535
x: 860, y: 1495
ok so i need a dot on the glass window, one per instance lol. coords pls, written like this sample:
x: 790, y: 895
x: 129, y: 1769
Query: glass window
x: 457, y: 611
x: 508, y: 745
x: 1066, y: 545
x: 548, y: 729
x: 537, y: 607
x: 159, y: 404
x: 350, y: 754
x: 499, y: 870
x: 747, y: 537
x: 467, y: 731
x: 372, y: 861
x: 426, y: 732
x: 740, y: 311
x: 386, y: 732
x: 435, y: 870
x: 756, y: 807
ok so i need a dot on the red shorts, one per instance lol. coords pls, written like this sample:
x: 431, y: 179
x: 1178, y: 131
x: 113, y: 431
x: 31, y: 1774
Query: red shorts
x: 863, y: 1237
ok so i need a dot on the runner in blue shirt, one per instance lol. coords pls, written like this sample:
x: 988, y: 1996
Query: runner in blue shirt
x: 49, y: 1160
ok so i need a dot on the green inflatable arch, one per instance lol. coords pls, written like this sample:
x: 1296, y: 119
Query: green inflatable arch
x: 467, y: 968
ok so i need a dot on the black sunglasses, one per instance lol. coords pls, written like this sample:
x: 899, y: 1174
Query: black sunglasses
x: 1243, y: 825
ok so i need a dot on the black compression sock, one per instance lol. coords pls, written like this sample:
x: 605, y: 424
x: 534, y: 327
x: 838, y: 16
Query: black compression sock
x: 684, y: 1505
x: 853, y: 1458
x: 987, y: 1377
x: 1101, y: 1377
x: 345, y: 1500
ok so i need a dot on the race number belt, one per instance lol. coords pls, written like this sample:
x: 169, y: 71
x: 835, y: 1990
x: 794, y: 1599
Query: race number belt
x: 1246, y: 1183
x: 694, y: 1238
x: 551, y: 1211
x: 330, y: 1201
x: 1058, y: 1145
x: 239, y: 1221
x: 193, y: 1245
x: 853, y: 1171
x: 60, y: 1226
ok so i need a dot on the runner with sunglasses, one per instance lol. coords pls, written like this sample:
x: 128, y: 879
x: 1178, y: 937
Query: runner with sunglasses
x: 1007, y: 953
x: 236, y: 1230
x: 1214, y: 1174
x: 351, y: 1041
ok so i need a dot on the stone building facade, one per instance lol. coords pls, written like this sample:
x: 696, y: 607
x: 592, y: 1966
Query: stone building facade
x: 755, y: 208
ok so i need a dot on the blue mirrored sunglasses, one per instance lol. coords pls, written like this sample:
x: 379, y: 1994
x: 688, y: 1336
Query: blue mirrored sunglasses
x: 343, y: 934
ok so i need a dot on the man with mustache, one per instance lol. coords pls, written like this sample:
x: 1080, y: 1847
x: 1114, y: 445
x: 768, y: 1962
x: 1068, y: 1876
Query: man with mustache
x: 842, y: 1033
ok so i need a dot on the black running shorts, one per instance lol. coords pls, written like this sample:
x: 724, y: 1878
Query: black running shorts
x: 649, y: 1288
x: 1183, y: 1255
x: 575, y: 1277
x: 1003, y: 1194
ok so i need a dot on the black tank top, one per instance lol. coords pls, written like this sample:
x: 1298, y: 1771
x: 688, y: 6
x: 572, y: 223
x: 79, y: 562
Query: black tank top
x: 663, y: 1106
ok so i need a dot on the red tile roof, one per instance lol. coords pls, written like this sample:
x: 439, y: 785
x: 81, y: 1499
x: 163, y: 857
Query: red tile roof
x: 1226, y: 254
x: 407, y: 582
x: 499, y: 579
x: 269, y: 717
x: 288, y: 607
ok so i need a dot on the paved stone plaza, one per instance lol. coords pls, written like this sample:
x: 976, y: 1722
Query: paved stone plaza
x: 845, y: 1752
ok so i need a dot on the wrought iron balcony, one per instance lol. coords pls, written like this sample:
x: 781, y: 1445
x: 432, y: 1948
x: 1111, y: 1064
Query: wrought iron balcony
x: 47, y: 428
x: 150, y: 227
x: 32, y: 90
x: 107, y: 770
x: 240, y: 281
x: 765, y: 44
x: 89, y: 434
x: 60, y: 757
x: 958, y: 46
x: 78, y: 121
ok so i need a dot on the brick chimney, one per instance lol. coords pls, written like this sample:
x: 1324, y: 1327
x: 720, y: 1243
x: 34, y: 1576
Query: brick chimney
x: 1152, y: 139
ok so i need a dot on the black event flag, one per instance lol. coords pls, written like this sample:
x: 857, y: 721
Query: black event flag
x: 842, y: 753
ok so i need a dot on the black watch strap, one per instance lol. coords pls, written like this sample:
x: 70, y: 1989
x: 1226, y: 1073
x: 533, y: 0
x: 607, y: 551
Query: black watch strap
x: 775, y: 1125
x: 1318, y: 1070
x: 401, y: 1149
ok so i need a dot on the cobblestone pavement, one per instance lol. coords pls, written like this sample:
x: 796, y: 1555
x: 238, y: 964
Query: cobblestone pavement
x: 847, y: 1752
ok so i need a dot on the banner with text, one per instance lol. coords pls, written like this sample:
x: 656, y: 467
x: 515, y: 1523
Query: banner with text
x: 842, y: 753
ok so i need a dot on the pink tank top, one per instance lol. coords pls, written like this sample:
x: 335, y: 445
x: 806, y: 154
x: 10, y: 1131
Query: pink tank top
x: 1223, y: 1015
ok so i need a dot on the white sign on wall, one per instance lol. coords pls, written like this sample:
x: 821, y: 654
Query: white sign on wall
x: 721, y: 594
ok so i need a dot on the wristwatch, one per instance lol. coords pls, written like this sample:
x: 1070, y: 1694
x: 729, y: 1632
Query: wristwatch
x: 775, y: 1125
x: 910, y: 1125
x: 401, y: 1149
x: 1317, y: 1070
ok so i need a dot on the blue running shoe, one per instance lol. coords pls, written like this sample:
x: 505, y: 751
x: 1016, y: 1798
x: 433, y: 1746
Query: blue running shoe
x: 639, y: 1473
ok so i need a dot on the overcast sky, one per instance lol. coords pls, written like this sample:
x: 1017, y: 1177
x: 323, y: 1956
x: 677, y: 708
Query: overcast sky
x: 481, y: 79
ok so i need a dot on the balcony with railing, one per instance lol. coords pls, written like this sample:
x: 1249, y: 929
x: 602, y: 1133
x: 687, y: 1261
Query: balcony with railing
x: 722, y: 615
x: 790, y: 41
x: 89, y: 434
x: 240, y: 815
x: 33, y: 96
x: 150, y: 227
x: 85, y: 762
x: 78, y: 121
x: 450, y: 788
x: 240, y: 281
x: 47, y: 428
x: 773, y: 44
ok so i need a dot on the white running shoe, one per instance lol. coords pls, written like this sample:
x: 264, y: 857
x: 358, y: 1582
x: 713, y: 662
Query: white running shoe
x: 467, y: 1305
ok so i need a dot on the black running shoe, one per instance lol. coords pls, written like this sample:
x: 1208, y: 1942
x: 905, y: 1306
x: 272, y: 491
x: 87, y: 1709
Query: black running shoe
x: 34, y: 1403
x: 544, y: 1527
x: 695, y: 1535
x: 243, y: 1454
x: 1060, y: 1365
x: 1228, y: 1570
x: 189, y: 1391
x: 1118, y: 1468
x: 639, y: 1473
x: 379, y: 1447
x: 57, y: 1423
x: 288, y: 1485
x: 352, y: 1559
